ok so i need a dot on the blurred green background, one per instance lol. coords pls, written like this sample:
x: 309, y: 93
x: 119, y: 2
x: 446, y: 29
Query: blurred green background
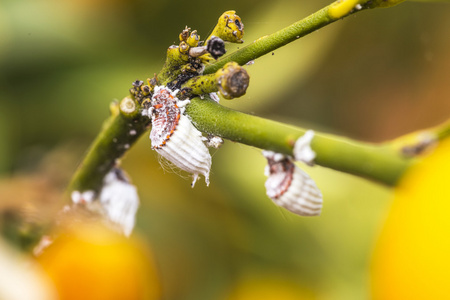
x: 372, y: 76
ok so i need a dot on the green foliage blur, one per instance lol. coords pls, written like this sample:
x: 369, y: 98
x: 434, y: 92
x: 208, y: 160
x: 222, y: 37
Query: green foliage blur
x: 372, y: 76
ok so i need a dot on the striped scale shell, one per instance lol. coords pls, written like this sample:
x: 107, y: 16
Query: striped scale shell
x: 175, y: 138
x: 289, y: 187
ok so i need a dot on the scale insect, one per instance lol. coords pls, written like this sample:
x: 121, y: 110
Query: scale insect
x: 289, y: 187
x: 174, y: 137
x: 120, y: 200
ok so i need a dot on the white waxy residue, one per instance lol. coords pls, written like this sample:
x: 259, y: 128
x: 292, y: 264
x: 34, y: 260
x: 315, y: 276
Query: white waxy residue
x: 302, y: 148
x: 83, y: 197
x: 213, y: 141
x: 214, y: 97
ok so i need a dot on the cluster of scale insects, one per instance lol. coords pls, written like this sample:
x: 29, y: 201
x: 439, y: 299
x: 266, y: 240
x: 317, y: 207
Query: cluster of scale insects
x: 163, y: 100
x: 176, y: 139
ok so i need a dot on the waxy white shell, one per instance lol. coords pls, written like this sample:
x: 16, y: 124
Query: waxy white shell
x: 302, y: 148
x: 186, y: 150
x: 174, y: 137
x: 301, y: 195
x: 120, y: 200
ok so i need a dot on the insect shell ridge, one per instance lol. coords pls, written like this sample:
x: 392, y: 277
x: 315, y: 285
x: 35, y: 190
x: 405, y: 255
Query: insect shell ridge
x: 193, y: 141
x: 186, y: 150
x: 303, y: 197
x: 175, y: 138
x: 186, y: 142
x: 289, y: 187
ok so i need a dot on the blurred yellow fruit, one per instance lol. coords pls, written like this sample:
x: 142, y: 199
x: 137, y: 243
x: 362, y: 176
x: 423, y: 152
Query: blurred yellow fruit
x: 412, y: 257
x: 92, y: 262
x: 269, y: 288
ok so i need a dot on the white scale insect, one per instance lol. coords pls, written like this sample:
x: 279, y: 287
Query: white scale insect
x: 174, y: 137
x: 120, y: 200
x: 287, y: 185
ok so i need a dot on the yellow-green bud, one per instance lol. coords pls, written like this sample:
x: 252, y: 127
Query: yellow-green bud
x: 229, y: 28
x: 193, y: 39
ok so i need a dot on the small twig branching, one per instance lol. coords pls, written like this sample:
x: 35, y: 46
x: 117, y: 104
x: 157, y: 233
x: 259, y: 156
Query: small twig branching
x: 196, y: 70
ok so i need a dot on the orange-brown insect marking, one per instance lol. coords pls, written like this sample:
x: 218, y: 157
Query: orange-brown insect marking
x: 289, y: 187
x: 284, y: 167
x: 166, y: 116
x: 183, y: 143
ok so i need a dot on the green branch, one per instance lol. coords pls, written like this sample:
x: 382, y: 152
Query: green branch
x: 379, y: 163
x: 119, y: 133
x: 269, y: 43
x: 313, y: 22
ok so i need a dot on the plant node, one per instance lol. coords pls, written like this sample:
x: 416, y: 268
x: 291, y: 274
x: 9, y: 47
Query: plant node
x: 232, y: 80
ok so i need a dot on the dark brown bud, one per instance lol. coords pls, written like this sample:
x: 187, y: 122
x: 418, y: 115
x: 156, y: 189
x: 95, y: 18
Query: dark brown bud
x: 216, y: 47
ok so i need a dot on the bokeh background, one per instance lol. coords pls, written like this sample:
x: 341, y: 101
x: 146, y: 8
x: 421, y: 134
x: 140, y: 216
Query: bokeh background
x: 372, y: 76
